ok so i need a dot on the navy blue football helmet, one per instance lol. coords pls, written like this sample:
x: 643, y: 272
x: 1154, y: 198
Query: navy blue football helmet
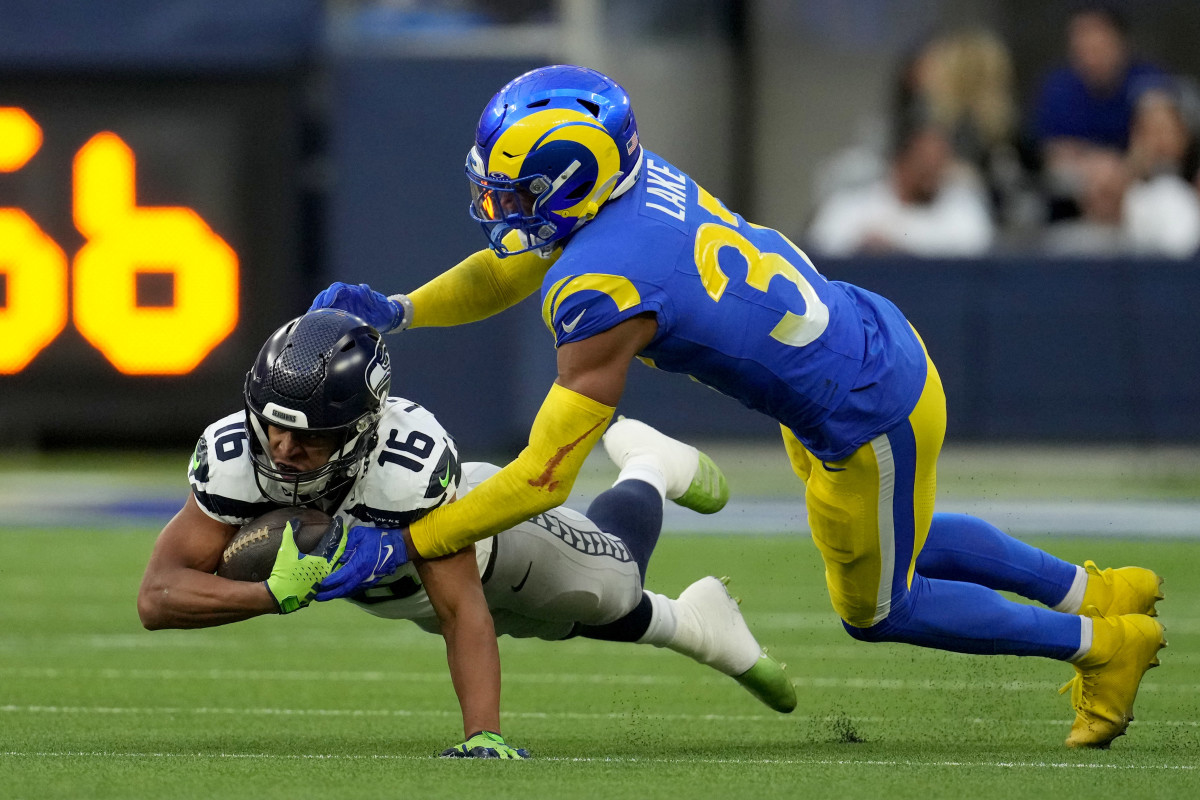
x: 551, y: 148
x: 327, y: 372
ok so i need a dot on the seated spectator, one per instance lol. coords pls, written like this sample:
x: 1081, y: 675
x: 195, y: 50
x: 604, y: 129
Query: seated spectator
x: 922, y: 206
x: 966, y: 79
x: 1161, y: 208
x: 1160, y: 141
x: 1125, y: 215
x: 1097, y: 230
x: 1088, y: 103
x: 962, y: 80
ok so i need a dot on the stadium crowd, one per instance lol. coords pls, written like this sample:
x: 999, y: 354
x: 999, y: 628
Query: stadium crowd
x: 1100, y: 159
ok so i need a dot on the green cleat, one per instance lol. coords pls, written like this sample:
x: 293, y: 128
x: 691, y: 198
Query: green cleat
x: 690, y: 478
x: 709, y: 491
x: 767, y: 681
x: 710, y: 629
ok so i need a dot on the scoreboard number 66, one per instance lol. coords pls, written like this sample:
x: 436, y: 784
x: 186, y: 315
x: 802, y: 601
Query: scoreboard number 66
x: 123, y: 240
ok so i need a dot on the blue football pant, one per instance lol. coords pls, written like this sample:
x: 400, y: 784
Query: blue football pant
x: 871, y: 516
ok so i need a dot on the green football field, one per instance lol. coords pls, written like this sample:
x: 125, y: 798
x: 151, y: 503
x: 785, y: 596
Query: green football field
x: 331, y: 702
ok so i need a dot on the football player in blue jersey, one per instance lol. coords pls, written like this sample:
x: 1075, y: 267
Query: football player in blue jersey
x: 636, y: 260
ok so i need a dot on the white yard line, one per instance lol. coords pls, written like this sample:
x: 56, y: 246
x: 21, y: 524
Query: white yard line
x: 850, y: 762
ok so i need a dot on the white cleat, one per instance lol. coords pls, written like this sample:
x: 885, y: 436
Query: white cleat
x: 711, y: 630
x: 692, y: 479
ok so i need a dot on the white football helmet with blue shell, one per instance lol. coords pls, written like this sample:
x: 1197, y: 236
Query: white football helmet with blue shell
x: 551, y: 148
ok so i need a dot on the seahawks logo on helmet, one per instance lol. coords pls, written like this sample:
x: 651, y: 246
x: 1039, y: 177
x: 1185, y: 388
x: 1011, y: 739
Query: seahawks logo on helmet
x: 379, y: 373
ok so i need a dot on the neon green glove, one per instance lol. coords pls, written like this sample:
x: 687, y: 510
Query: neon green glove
x: 485, y: 744
x: 295, y: 576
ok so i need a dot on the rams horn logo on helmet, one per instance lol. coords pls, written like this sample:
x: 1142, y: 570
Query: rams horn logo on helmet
x: 552, y: 147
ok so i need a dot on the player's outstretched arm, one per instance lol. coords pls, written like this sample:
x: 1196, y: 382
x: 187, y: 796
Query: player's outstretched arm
x: 456, y: 594
x: 479, y: 286
x: 575, y: 413
x: 178, y: 588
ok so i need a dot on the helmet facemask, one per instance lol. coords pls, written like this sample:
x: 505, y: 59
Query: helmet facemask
x: 287, y: 487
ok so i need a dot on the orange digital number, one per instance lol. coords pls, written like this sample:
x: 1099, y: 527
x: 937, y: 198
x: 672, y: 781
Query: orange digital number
x: 35, y: 308
x: 33, y: 266
x: 124, y: 240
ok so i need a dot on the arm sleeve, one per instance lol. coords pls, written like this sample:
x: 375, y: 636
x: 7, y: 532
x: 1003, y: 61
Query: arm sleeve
x: 479, y: 286
x: 566, y: 428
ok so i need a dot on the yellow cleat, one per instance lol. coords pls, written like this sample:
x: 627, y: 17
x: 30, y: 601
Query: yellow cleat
x: 1127, y: 590
x: 1106, y: 679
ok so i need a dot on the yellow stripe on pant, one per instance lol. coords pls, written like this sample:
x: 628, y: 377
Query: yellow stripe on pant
x: 870, y: 512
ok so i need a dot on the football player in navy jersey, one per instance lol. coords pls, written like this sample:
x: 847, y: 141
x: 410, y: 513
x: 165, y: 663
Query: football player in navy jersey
x: 319, y: 430
x: 635, y: 260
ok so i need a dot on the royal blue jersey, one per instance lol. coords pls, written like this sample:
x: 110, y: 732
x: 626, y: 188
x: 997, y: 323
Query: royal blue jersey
x: 741, y: 309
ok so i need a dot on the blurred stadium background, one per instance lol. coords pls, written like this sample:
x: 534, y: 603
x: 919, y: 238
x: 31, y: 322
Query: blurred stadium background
x: 177, y: 178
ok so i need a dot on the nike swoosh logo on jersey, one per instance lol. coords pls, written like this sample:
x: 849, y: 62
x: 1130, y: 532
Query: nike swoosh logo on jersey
x: 568, y: 327
x: 832, y: 469
x: 445, y: 479
x: 386, y: 555
x: 521, y: 585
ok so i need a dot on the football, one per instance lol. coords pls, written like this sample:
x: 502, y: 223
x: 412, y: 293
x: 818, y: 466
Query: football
x: 251, y: 553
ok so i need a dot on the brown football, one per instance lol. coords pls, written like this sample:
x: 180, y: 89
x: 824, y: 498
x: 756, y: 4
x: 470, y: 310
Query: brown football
x: 251, y: 553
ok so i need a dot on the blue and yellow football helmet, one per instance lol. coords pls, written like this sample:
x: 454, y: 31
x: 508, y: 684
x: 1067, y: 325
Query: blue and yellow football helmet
x: 551, y: 148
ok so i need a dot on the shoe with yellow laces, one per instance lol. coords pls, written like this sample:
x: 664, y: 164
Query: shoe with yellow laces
x: 1107, y: 678
x: 1126, y: 590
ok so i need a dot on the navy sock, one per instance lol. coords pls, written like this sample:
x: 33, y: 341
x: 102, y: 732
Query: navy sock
x: 628, y: 628
x: 633, y: 512
x: 965, y: 548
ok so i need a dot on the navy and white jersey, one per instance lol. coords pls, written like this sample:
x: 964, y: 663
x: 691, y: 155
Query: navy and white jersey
x: 581, y: 574
x: 412, y: 468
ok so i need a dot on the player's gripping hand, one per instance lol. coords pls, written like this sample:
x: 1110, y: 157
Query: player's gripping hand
x: 371, y: 555
x: 380, y: 311
x: 296, y: 576
x: 485, y: 744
